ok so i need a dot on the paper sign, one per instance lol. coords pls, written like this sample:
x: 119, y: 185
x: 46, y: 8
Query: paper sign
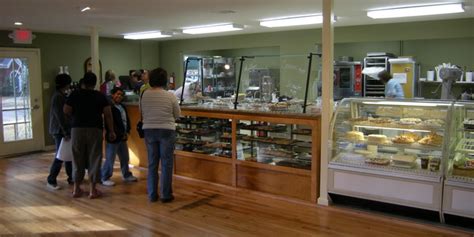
x: 400, y: 77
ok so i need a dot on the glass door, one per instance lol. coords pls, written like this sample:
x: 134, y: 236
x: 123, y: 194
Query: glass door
x: 21, y: 115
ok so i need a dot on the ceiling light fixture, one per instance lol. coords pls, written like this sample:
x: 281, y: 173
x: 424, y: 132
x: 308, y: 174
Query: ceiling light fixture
x: 85, y: 9
x: 17, y: 23
x: 424, y: 10
x: 212, y: 29
x: 294, y: 21
x: 147, y: 35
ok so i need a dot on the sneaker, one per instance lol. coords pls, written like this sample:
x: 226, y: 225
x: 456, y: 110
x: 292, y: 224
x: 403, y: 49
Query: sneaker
x: 108, y: 182
x: 53, y: 186
x: 130, y: 178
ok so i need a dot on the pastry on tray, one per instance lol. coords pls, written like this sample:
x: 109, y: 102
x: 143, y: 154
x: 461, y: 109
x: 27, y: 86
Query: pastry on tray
x: 377, y: 161
x: 380, y: 121
x: 432, y: 139
x: 410, y: 121
x: 405, y: 139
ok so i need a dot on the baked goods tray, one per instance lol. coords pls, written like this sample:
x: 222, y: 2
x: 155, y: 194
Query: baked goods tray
x: 465, y: 145
x: 402, y: 127
x: 359, y: 161
x: 414, y: 145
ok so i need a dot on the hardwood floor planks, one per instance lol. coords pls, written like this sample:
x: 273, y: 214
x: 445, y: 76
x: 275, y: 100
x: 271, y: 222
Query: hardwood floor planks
x: 27, y: 207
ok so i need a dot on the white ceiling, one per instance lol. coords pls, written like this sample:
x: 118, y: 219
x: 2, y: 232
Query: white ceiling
x: 113, y: 18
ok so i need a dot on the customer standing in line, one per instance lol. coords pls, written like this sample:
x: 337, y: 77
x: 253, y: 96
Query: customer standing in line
x: 109, y: 83
x: 59, y: 128
x: 119, y: 145
x: 393, y: 89
x: 145, y: 77
x: 160, y: 110
x: 86, y: 108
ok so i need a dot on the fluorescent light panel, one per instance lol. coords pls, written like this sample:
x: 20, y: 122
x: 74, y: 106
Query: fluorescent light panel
x: 293, y: 21
x: 18, y: 23
x: 85, y: 9
x: 212, y: 29
x: 416, y: 11
x: 146, y: 35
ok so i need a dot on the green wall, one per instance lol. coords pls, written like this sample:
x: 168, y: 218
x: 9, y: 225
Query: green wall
x: 431, y: 42
x: 71, y: 50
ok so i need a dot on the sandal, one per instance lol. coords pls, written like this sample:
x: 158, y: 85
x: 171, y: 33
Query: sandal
x: 77, y: 194
x: 95, y: 194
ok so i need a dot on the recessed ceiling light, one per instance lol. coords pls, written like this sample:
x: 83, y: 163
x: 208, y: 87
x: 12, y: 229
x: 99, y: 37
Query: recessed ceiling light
x: 85, y: 9
x: 18, y: 23
x: 424, y: 10
x: 147, y: 35
x: 212, y: 29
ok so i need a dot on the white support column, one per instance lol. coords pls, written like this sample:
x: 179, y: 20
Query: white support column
x: 327, y: 96
x: 95, y: 54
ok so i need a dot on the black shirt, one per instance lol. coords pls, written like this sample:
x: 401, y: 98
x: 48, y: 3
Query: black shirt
x: 87, y: 108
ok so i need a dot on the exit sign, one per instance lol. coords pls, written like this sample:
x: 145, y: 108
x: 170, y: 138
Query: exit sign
x: 21, y: 36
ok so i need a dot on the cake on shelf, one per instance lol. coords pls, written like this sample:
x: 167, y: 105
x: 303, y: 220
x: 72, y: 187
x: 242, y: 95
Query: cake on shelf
x: 377, y: 139
x: 410, y: 121
x: 355, y: 136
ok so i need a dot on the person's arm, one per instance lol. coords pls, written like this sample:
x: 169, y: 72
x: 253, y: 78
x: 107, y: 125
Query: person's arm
x: 58, y: 115
x: 109, y: 122
x: 176, y: 108
x: 399, y: 91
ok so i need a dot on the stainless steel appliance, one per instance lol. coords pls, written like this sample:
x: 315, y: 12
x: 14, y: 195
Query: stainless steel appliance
x: 347, y: 79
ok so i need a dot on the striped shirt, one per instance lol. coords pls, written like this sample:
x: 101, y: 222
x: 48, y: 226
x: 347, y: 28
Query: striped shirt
x: 160, y: 109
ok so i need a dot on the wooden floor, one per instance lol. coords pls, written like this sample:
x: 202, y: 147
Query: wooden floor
x: 27, y: 207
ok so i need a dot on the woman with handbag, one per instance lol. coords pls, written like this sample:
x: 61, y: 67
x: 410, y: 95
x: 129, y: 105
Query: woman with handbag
x: 159, y: 109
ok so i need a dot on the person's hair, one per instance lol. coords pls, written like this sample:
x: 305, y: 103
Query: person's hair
x: 89, y: 80
x: 115, y: 89
x: 158, y: 77
x: 384, y: 76
x: 109, y: 75
x: 62, y: 80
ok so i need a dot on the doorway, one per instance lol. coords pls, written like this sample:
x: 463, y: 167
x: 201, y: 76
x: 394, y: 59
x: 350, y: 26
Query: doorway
x: 21, y: 117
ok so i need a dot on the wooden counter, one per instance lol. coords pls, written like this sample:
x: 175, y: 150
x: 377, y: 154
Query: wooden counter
x: 278, y: 180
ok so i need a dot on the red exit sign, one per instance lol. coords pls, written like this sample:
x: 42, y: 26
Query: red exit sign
x: 21, y: 36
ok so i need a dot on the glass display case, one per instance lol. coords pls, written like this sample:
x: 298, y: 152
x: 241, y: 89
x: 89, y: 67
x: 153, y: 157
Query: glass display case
x: 201, y: 135
x: 459, y: 183
x: 393, y: 145
x: 274, y: 144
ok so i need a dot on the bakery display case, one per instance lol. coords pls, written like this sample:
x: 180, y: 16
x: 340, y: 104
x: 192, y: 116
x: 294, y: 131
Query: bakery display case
x: 459, y: 184
x: 204, y: 136
x: 274, y: 144
x: 393, y: 151
x: 271, y: 153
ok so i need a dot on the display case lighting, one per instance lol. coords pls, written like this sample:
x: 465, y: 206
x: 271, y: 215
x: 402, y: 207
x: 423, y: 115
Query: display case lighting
x: 147, y: 35
x: 404, y: 103
x: 423, y: 10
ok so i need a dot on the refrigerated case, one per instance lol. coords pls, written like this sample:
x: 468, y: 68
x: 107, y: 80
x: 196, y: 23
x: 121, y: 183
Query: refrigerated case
x: 391, y: 151
x: 459, y: 183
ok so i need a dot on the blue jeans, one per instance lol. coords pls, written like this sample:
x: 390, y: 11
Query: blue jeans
x: 56, y: 165
x: 111, y: 151
x: 160, y: 146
